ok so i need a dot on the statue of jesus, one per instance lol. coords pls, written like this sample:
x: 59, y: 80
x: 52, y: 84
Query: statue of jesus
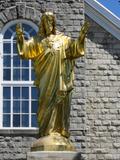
x: 53, y: 55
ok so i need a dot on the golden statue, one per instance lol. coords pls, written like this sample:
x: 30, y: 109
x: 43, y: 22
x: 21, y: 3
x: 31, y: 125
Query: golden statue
x: 53, y: 55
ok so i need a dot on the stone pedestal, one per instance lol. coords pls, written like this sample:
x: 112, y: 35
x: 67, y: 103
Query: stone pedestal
x: 53, y: 155
x: 53, y: 142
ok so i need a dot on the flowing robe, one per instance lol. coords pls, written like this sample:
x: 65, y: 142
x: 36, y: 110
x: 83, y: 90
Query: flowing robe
x: 53, y: 59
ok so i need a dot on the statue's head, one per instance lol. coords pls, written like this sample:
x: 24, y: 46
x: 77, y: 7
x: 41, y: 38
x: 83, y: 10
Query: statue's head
x: 47, y: 25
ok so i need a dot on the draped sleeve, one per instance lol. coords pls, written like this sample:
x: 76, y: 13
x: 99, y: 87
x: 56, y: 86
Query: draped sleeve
x: 75, y: 49
x: 29, y: 49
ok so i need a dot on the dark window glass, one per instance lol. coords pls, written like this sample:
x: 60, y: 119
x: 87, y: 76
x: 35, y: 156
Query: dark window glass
x: 7, y: 48
x: 15, y: 39
x: 16, y: 74
x: 7, y: 74
x: 6, y: 93
x: 26, y: 27
x: 16, y: 106
x: 25, y: 74
x: 32, y: 75
x: 16, y: 61
x: 34, y: 121
x: 34, y: 93
x: 26, y: 36
x: 13, y: 27
x: 15, y: 51
x: 32, y: 33
x: 6, y: 120
x: 7, y: 34
x: 25, y: 120
x: 6, y: 61
x: 25, y: 63
x: 34, y: 106
x: 25, y: 106
x: 25, y: 93
x: 6, y: 106
x: 16, y: 92
x: 16, y: 120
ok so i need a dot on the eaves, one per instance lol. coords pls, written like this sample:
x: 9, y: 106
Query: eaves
x: 103, y: 17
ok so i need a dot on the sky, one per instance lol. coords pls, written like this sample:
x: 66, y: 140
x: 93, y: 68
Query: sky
x: 112, y: 5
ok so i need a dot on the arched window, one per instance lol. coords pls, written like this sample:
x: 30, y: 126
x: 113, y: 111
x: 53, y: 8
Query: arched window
x: 18, y: 96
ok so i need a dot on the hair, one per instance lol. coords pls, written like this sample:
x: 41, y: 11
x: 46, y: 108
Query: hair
x: 42, y: 30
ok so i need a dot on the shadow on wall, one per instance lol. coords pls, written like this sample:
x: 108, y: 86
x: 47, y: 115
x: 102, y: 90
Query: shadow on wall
x: 104, y: 40
x: 78, y: 157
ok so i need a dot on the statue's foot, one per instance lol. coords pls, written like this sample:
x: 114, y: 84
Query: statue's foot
x: 53, y: 142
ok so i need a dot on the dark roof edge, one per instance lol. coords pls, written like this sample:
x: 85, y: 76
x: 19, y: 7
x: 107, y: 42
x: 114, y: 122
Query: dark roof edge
x: 103, y: 17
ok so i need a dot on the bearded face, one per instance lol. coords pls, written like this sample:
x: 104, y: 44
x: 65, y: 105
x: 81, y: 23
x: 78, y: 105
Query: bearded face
x: 47, y: 25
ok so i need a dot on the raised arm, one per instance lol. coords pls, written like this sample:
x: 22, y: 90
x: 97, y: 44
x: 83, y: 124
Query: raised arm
x: 20, y: 39
x: 83, y: 32
x: 76, y: 48
x: 27, y: 49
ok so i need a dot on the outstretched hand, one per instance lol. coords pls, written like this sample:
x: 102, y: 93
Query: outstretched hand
x: 85, y: 27
x: 19, y: 31
x: 84, y: 30
x: 20, y: 38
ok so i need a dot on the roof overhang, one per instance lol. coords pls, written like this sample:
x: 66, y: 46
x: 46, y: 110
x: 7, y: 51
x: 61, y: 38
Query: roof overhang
x: 103, y: 17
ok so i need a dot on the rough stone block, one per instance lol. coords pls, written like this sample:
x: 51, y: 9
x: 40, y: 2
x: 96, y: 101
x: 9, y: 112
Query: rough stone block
x: 53, y: 155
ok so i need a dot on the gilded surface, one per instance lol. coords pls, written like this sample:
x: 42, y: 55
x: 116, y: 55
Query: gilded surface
x: 53, y: 55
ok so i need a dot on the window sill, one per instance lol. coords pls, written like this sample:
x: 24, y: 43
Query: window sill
x: 19, y: 131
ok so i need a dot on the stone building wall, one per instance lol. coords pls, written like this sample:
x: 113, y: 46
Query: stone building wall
x: 69, y: 14
x: 102, y: 63
x: 95, y: 106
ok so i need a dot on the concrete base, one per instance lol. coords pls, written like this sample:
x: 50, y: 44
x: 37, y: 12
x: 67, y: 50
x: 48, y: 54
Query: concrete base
x: 53, y: 155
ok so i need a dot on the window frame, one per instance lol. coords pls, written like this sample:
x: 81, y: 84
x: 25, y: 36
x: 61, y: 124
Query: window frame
x: 12, y: 83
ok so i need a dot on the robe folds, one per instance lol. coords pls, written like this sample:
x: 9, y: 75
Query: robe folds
x: 53, y: 59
